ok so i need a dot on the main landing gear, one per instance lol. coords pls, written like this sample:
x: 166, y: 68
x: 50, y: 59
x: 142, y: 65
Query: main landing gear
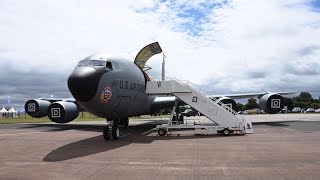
x: 111, y: 131
x: 124, y: 122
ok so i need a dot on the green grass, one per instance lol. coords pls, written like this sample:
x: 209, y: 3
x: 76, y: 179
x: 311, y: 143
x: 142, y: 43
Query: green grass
x: 22, y: 120
x: 85, y: 116
x: 28, y: 119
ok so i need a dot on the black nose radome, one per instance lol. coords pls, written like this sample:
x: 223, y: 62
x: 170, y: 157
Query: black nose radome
x: 83, y: 83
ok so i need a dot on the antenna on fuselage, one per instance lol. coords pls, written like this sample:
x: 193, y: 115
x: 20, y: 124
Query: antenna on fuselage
x: 163, y: 75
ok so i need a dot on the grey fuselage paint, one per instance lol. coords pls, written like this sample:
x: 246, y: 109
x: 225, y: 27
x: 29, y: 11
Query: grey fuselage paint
x: 128, y: 98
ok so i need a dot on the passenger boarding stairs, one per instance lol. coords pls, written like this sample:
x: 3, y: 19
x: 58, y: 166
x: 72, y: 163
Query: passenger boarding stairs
x: 216, y: 111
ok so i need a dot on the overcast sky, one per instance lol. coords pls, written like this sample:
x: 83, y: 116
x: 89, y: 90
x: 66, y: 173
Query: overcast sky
x: 223, y: 46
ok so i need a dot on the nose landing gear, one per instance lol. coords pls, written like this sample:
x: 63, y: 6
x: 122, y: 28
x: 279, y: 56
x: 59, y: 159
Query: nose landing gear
x: 111, y: 131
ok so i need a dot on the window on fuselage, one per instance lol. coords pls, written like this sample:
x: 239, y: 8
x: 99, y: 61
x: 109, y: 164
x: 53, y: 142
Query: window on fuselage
x: 96, y: 63
x: 101, y: 63
x: 83, y: 63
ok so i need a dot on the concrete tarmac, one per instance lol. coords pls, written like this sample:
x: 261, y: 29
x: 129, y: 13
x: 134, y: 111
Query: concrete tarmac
x: 289, y: 149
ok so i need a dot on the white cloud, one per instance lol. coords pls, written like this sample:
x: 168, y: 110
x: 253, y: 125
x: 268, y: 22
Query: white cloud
x: 239, y: 45
x: 244, y: 36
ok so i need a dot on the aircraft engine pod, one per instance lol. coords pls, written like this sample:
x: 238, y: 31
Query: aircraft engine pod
x: 229, y: 102
x: 37, y: 108
x: 271, y: 103
x: 63, y: 112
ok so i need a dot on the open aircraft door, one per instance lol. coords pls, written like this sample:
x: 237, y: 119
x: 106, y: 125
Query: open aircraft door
x: 144, y: 55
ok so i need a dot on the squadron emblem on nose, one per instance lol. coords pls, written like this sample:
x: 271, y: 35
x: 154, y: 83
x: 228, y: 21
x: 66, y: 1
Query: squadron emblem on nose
x: 106, y: 95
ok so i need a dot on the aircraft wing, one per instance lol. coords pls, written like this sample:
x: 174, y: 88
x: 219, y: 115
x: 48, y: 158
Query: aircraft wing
x: 232, y: 96
x: 248, y: 95
x: 165, y: 102
x: 59, y: 99
x: 52, y: 100
x: 162, y: 103
x: 168, y: 102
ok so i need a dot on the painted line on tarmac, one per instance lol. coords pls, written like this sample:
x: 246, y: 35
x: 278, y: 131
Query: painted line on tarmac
x: 125, y: 135
x: 147, y: 132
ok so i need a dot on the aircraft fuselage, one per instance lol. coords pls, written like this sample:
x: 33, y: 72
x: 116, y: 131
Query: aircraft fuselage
x: 115, y: 90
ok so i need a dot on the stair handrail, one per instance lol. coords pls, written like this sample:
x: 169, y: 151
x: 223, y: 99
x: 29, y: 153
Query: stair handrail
x: 197, y: 89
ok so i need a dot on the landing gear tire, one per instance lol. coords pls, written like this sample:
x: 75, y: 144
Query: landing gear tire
x: 181, y: 118
x: 106, y: 133
x: 162, y: 132
x: 226, y: 132
x: 115, y: 132
x: 112, y: 131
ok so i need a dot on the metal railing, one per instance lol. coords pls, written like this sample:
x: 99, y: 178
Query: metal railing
x: 199, y: 90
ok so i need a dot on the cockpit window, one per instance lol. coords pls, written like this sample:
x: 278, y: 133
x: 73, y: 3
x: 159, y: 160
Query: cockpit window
x: 100, y: 63
x: 97, y: 63
x: 83, y: 63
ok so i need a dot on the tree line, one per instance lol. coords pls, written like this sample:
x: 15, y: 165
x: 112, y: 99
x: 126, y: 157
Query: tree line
x: 304, y: 100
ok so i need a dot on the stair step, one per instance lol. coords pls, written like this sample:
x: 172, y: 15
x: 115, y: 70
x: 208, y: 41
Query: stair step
x: 196, y: 98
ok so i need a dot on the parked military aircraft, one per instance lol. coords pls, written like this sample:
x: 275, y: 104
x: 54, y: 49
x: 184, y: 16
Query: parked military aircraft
x: 114, y: 89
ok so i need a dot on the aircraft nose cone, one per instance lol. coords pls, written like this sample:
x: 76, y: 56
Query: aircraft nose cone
x: 83, y: 83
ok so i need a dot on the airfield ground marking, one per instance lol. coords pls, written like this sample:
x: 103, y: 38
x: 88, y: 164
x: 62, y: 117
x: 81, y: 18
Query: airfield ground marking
x: 125, y: 135
x: 147, y: 132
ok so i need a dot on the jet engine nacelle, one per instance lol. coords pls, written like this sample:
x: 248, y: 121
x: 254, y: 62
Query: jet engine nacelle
x: 37, y: 108
x: 229, y: 102
x: 63, y: 112
x: 271, y: 103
